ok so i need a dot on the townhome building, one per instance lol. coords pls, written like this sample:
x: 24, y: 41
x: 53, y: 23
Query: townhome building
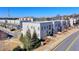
x: 42, y: 28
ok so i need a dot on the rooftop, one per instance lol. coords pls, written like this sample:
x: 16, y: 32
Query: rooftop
x: 38, y: 22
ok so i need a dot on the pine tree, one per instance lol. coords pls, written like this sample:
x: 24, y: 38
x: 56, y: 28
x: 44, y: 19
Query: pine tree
x: 28, y: 39
x: 28, y: 42
x: 35, y: 40
x: 34, y: 35
x: 22, y: 39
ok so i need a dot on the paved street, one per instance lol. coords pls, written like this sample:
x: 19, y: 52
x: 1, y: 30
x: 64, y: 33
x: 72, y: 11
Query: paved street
x: 71, y: 43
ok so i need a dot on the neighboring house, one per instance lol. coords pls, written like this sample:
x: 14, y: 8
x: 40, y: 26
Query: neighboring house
x: 74, y: 21
x: 42, y: 29
x: 55, y: 26
x: 60, y: 25
x: 67, y: 23
x: 71, y: 22
x: 14, y: 22
x: 26, y: 19
x: 2, y: 21
x: 63, y: 24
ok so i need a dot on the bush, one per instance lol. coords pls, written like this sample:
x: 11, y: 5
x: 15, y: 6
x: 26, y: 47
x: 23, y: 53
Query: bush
x: 19, y: 49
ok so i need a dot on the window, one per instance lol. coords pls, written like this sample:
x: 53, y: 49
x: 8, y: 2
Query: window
x: 44, y: 27
x: 55, y: 24
x: 49, y: 26
x: 49, y: 33
x: 41, y: 28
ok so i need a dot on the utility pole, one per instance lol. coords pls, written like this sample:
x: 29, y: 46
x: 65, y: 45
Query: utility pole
x: 8, y: 15
x: 8, y: 12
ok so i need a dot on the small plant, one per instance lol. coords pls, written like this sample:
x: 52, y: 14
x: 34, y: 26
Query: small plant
x: 18, y: 48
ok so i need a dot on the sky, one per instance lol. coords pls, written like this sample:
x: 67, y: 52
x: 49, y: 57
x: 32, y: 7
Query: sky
x: 37, y: 11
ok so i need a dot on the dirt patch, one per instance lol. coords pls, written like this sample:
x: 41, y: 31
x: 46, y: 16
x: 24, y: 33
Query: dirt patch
x: 9, y: 45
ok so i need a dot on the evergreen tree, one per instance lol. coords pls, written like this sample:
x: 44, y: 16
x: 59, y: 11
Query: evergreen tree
x: 34, y: 35
x: 28, y: 39
x: 35, y: 40
x: 28, y: 42
x: 22, y: 39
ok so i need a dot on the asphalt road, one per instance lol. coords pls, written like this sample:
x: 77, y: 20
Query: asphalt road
x: 71, y: 43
